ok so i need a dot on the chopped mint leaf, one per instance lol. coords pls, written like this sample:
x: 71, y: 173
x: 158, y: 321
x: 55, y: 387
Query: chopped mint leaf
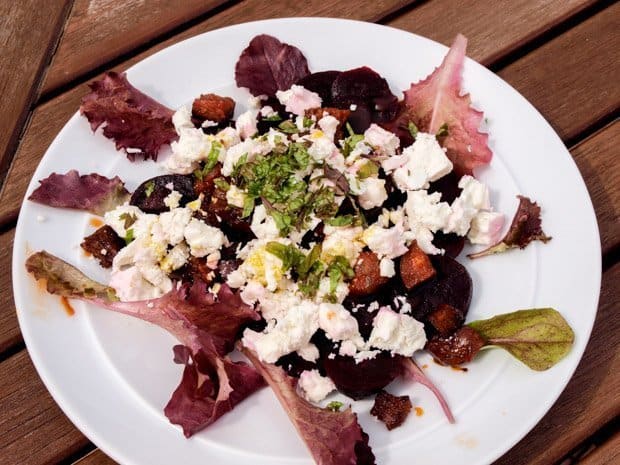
x: 349, y: 143
x: 308, y: 122
x: 149, y: 187
x: 248, y: 207
x: 288, y: 127
x: 243, y: 159
x: 128, y: 218
x: 221, y: 184
x: 273, y: 118
x: 442, y: 131
x: 368, y: 169
x: 306, y: 264
x: 344, y: 220
x: 350, y: 130
x: 213, y: 156
x: 413, y: 129
x: 129, y: 236
x: 289, y: 254
x: 335, y: 406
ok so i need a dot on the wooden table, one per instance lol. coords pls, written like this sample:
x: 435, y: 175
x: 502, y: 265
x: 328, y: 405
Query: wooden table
x: 562, y: 55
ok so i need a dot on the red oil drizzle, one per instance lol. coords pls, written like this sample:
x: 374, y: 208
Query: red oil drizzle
x: 95, y: 222
x: 458, y: 368
x: 87, y: 253
x: 419, y: 411
x: 67, y: 306
x: 425, y: 366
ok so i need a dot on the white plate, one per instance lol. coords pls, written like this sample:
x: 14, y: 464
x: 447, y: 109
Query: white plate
x: 112, y: 375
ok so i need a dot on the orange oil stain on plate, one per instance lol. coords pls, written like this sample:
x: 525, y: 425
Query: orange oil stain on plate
x: 419, y: 411
x: 458, y: 368
x: 95, y: 222
x: 67, y: 306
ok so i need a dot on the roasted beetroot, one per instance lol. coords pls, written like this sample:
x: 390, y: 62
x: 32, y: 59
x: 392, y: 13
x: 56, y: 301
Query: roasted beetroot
x: 445, y: 319
x: 294, y: 365
x: 451, y: 285
x: 415, y: 267
x: 103, y: 244
x: 149, y: 196
x: 213, y: 107
x: 358, y: 380
x: 451, y: 243
x: 461, y: 347
x: 391, y: 410
x: 321, y: 83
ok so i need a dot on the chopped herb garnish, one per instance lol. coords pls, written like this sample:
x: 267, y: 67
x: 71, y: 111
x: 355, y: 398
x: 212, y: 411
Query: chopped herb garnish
x: 149, y: 187
x: 289, y: 254
x: 128, y: 218
x: 129, y: 236
x: 306, y: 264
x: 334, y: 406
x: 308, y: 122
x: 413, y: 129
x: 288, y: 127
x: 344, y: 220
x: 349, y: 143
x: 221, y: 184
x: 368, y: 169
x: 248, y: 207
x: 272, y: 118
x: 350, y: 130
x: 442, y: 131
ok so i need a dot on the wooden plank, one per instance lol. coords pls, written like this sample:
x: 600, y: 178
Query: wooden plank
x: 40, y: 133
x: 28, y: 32
x: 591, y: 398
x: 33, y: 430
x: 9, y: 329
x: 494, y: 29
x: 597, y: 159
x: 98, y: 31
x: 573, y: 79
x: 607, y: 453
x: 96, y: 457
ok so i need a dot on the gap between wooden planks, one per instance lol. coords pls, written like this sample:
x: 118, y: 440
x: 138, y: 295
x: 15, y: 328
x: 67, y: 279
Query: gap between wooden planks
x: 33, y: 420
x: 24, y: 52
x: 593, y: 95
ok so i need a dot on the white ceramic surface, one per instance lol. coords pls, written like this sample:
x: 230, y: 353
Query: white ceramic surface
x: 112, y: 375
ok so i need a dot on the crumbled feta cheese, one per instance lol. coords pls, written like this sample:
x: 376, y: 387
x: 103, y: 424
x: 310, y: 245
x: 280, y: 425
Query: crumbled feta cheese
x: 130, y: 285
x: 313, y: 387
x: 255, y: 102
x: 173, y: 224
x: 400, y: 334
x: 192, y: 146
x: 337, y: 322
x: 252, y: 292
x: 345, y: 241
x: 116, y: 218
x: 373, y: 193
x: 322, y: 147
x: 246, y: 124
x: 486, y: 228
x: 202, y: 238
x: 384, y: 142
x: 227, y: 137
x: 182, y: 118
x: 324, y: 292
x: 309, y: 352
x: 235, y: 196
x: 289, y: 334
x: 473, y: 198
x: 208, y: 124
x: 425, y: 216
x: 298, y: 99
x: 172, y: 200
x: 40, y: 218
x: 425, y: 162
x: 249, y: 147
x: 329, y: 126
x: 263, y: 225
x: 386, y: 268
x: 259, y: 265
x: 385, y: 242
x: 175, y: 258
x: 267, y: 111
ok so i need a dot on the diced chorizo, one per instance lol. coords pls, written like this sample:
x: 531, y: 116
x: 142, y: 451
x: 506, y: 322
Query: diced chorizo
x: 459, y: 348
x: 391, y: 410
x: 445, y: 319
x: 367, y: 279
x: 103, y: 244
x: 213, y: 108
x: 339, y: 114
x: 415, y: 267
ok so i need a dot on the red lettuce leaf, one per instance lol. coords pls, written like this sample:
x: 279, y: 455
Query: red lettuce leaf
x: 132, y: 119
x: 436, y: 101
x: 91, y: 192
x: 526, y: 227
x: 211, y: 384
x: 333, y: 438
x: 268, y: 65
x: 415, y: 373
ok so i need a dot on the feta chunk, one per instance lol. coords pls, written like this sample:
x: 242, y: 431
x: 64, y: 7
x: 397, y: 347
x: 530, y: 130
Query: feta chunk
x: 173, y: 224
x: 384, y: 142
x: 298, y: 99
x: 249, y: 147
x: 425, y: 216
x: 130, y: 285
x: 373, y: 193
x: 386, y: 267
x: 322, y: 147
x: 172, y: 200
x: 175, y: 258
x: 289, y: 334
x: 385, y: 242
x: 343, y: 241
x: 473, y: 199
x: 486, y: 228
x: 400, y: 334
x: 235, y: 196
x: 329, y: 126
x: 337, y: 322
x: 426, y: 162
x: 263, y: 225
x: 314, y: 387
x: 116, y: 218
x: 246, y: 124
x: 202, y: 238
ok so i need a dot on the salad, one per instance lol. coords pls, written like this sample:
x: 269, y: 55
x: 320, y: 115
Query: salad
x: 317, y: 232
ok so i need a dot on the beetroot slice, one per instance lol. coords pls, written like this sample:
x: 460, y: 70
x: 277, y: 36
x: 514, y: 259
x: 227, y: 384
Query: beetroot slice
x: 149, y: 196
x: 451, y: 243
x: 358, y: 380
x: 452, y: 286
x: 359, y: 85
x: 321, y: 83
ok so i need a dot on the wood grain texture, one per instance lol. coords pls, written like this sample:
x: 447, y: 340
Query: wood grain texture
x: 33, y: 430
x: 98, y: 31
x: 607, y: 453
x: 573, y: 79
x: 597, y: 159
x: 28, y: 32
x: 591, y: 398
x: 9, y: 329
x: 494, y: 28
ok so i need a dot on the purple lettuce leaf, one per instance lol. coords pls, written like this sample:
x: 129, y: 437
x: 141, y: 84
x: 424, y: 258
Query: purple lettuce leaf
x: 526, y: 227
x: 415, y: 373
x: 137, y: 123
x: 268, y: 65
x: 333, y: 438
x: 91, y: 192
x: 211, y: 384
